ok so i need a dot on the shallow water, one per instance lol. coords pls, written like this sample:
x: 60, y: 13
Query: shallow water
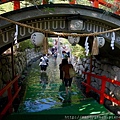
x: 45, y: 90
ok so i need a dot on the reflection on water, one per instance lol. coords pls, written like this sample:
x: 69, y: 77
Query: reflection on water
x: 43, y: 80
x: 39, y: 105
x: 45, y: 90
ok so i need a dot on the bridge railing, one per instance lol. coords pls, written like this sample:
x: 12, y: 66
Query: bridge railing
x: 101, y: 91
x: 12, y: 90
x: 109, y: 6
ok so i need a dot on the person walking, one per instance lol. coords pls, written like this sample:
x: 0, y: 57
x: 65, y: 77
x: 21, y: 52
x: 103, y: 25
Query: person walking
x: 60, y: 68
x: 66, y: 76
x: 43, y: 62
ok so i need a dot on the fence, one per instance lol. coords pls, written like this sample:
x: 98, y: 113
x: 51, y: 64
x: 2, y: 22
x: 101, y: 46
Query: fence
x: 101, y: 92
x: 12, y: 85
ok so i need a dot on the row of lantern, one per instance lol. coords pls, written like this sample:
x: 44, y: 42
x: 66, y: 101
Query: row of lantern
x: 37, y: 39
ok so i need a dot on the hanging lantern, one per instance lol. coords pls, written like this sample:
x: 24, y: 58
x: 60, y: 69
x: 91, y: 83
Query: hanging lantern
x: 101, y: 41
x: 73, y: 40
x: 37, y: 38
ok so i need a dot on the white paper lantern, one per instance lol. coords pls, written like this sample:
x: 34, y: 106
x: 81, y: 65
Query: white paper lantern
x: 37, y: 38
x: 73, y: 40
x: 101, y: 41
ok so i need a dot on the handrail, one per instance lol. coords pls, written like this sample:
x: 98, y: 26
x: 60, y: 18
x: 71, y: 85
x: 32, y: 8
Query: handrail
x: 11, y: 85
x: 8, y: 85
x: 95, y: 3
x: 103, y: 79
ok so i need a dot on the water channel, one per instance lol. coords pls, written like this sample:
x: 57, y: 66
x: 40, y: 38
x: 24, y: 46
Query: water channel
x: 45, y: 96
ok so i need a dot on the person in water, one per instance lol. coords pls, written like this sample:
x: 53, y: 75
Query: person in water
x: 66, y: 77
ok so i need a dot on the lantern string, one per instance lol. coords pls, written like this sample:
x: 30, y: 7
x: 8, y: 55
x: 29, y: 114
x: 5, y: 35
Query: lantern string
x: 56, y: 33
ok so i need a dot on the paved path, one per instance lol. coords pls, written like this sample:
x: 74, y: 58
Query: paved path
x: 45, y: 98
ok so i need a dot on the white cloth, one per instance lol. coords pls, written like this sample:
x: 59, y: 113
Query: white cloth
x: 43, y: 60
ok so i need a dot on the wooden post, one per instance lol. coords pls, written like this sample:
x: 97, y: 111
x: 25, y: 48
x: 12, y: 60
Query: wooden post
x: 91, y: 64
x: 12, y: 57
x: 88, y: 82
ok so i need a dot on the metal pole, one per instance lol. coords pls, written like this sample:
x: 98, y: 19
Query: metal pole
x: 90, y: 63
x: 12, y: 57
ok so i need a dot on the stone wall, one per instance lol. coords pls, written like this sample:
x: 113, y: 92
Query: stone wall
x: 101, y: 69
x: 21, y: 61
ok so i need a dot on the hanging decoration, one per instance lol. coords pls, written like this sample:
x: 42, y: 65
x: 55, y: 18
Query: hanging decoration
x: 15, y: 37
x: 95, y: 47
x: 86, y: 46
x: 35, y: 41
x: 58, y: 44
x: 113, y: 40
x: 101, y: 41
x: 37, y: 38
x: 56, y: 33
x: 73, y: 40
x: 45, y: 44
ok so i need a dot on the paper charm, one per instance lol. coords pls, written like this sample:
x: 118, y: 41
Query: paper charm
x: 113, y: 40
x: 15, y: 36
x: 86, y: 46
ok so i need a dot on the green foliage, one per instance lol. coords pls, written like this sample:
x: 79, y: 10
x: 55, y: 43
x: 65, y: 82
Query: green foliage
x: 25, y: 44
x: 78, y: 51
x: 50, y: 42
x: 6, y: 7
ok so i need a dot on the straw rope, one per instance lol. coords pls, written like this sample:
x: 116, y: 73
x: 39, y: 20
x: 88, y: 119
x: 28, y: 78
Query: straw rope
x: 56, y: 33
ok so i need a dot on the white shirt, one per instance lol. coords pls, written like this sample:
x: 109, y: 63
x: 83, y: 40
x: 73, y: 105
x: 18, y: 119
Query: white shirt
x: 43, y: 60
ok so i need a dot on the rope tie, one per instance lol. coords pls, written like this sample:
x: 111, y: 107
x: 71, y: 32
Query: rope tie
x: 56, y: 33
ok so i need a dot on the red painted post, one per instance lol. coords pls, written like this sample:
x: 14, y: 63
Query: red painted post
x: 16, y: 4
x: 88, y: 82
x: 96, y: 3
x: 103, y: 85
x: 45, y: 1
x: 72, y: 1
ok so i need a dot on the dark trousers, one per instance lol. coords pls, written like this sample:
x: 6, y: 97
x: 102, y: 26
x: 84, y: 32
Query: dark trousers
x: 43, y: 67
x: 68, y: 82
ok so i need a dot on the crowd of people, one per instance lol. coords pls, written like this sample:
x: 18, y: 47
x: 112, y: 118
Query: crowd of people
x: 64, y: 67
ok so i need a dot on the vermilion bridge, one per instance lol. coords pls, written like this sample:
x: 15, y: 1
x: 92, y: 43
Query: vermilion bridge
x: 59, y: 18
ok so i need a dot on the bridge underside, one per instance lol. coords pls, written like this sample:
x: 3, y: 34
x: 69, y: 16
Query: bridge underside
x: 66, y: 19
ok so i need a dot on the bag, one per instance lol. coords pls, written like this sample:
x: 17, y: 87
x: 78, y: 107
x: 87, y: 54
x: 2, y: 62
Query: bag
x: 72, y: 72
